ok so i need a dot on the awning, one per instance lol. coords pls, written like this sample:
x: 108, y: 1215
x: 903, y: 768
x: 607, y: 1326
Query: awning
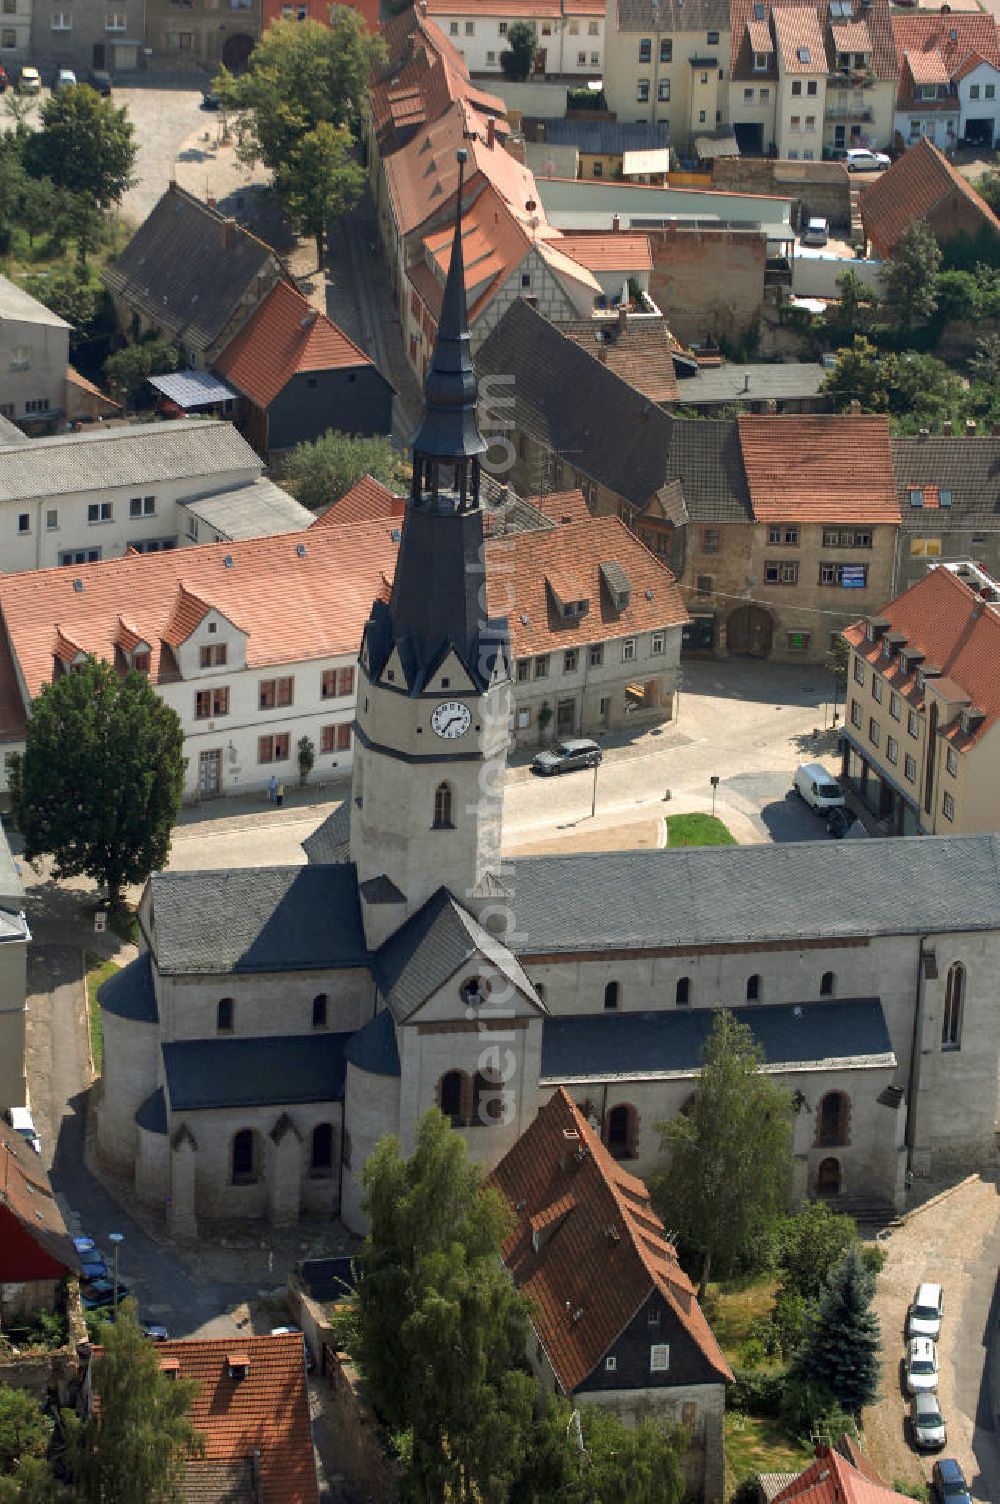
x: 193, y: 388
x: 707, y: 147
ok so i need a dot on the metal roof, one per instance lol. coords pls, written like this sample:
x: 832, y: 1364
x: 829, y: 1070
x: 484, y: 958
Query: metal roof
x: 753, y: 383
x: 193, y: 388
x: 258, y: 510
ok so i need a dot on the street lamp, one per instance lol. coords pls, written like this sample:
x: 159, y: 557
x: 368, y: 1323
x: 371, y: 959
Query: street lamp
x: 115, y: 1239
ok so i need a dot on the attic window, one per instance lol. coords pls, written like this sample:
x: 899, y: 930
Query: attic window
x: 78, y: 586
x: 659, y: 1357
x: 916, y: 498
x: 171, y: 1367
x: 802, y: 53
x: 239, y: 1365
x: 228, y: 561
x: 944, y: 498
x: 758, y: 11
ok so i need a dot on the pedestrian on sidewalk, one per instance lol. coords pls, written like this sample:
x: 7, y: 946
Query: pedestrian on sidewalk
x: 272, y: 788
x: 279, y: 795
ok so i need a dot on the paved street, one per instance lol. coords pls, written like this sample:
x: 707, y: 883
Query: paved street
x: 165, y: 117
x: 954, y: 1240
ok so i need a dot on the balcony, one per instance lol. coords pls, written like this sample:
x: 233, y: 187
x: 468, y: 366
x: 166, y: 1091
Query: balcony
x: 856, y: 114
x: 851, y: 78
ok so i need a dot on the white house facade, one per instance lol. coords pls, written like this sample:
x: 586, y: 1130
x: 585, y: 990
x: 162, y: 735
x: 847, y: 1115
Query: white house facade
x: 569, y: 34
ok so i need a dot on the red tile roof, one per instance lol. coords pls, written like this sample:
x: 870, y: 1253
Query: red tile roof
x: 425, y: 75
x: 494, y: 243
x: 266, y: 1412
x: 578, y: 549
x: 367, y: 501
x: 799, y: 36
x: 35, y: 1243
x: 915, y: 185
x: 564, y: 506
x: 928, y: 68
x: 819, y: 468
x: 284, y: 336
x: 973, y: 61
x: 585, y: 1285
x: 317, y: 10
x: 957, y: 634
x: 851, y: 36
x: 617, y: 251
x: 930, y: 32
x: 831, y: 1479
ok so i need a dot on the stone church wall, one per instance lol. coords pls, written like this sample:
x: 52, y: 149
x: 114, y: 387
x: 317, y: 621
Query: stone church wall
x: 131, y: 1066
x: 267, y: 1003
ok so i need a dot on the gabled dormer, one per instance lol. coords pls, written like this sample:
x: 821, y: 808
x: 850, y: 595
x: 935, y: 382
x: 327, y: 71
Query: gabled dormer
x: 569, y: 594
x: 617, y: 584
x: 203, y: 640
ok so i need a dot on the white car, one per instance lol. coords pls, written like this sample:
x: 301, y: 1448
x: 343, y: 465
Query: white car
x: 921, y: 1366
x: 29, y: 81
x: 22, y: 1122
x: 65, y: 79
x: 860, y: 159
x: 924, y: 1319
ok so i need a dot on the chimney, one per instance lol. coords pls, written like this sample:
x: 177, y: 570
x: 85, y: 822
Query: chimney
x: 855, y: 407
x: 491, y: 132
x: 616, y: 223
x: 228, y: 234
x: 946, y: 428
x: 307, y: 321
x: 213, y: 203
x: 571, y: 1145
x: 970, y: 428
x: 622, y: 319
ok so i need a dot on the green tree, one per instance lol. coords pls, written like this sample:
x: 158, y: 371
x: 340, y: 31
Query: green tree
x: 33, y: 1483
x: 909, y: 277
x: 319, y: 471
x: 132, y: 1450
x: 729, y: 1155
x: 307, y: 757
x: 300, y: 75
x: 518, y: 59
x: 855, y: 305
x: 988, y: 187
x: 81, y: 221
x: 70, y: 294
x: 25, y: 1429
x: 856, y: 377
x: 837, y: 658
x: 842, y: 1342
x: 127, y: 370
x: 100, y: 782
x: 985, y: 364
x: 85, y: 144
x: 810, y: 1244
x: 601, y: 1460
x: 320, y: 181
x: 11, y: 189
x: 438, y: 1329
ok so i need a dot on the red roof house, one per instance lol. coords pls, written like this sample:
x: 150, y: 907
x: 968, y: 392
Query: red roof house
x: 36, y: 1251
x: 833, y: 1479
x: 923, y: 184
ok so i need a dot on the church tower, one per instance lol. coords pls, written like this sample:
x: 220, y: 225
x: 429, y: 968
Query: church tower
x: 434, y: 695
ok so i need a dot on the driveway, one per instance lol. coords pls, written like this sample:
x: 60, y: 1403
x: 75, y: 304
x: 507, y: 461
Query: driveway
x: 954, y: 1240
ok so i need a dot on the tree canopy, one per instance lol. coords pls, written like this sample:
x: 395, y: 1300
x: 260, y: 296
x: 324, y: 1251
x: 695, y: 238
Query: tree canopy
x: 320, y: 180
x: 319, y: 471
x: 519, y: 56
x: 729, y: 1156
x: 132, y: 1450
x: 99, y: 785
x: 86, y: 145
x: 916, y: 390
x: 602, y: 1460
x: 842, y: 1341
x: 909, y: 276
x: 438, y: 1329
x: 128, y: 369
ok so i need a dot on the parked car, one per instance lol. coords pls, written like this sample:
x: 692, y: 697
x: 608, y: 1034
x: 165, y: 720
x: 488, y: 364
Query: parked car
x: 100, y: 80
x: 3, y: 80
x: 948, y: 1482
x: 91, y: 1259
x: 29, y: 81
x: 817, y: 787
x: 209, y: 99
x: 155, y: 1331
x: 95, y: 1294
x: 20, y: 1119
x: 816, y: 232
x: 924, y: 1319
x: 284, y: 1331
x: 921, y: 1366
x: 563, y: 757
x: 929, y: 1431
x: 860, y: 159
x: 65, y: 79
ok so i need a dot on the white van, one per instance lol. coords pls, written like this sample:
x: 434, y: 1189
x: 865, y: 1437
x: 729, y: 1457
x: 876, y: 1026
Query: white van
x: 817, y: 787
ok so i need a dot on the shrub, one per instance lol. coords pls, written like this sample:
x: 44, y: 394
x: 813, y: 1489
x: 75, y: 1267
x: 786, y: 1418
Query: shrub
x: 752, y: 1353
x: 873, y: 1256
x: 756, y: 1393
x: 811, y: 1412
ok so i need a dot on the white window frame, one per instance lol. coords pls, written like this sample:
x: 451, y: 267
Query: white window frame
x: 659, y: 1357
x: 628, y: 649
x: 656, y: 643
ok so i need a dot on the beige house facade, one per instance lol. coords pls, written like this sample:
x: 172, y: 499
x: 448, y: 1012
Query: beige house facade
x: 14, y: 938
x: 34, y: 353
x: 668, y: 63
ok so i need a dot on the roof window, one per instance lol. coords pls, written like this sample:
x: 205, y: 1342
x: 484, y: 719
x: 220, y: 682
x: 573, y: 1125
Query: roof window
x: 916, y: 497
x: 944, y: 498
x: 802, y: 53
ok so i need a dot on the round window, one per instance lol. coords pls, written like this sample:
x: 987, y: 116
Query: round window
x: 475, y: 991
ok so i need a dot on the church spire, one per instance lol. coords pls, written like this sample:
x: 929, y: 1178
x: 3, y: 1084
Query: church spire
x: 447, y: 445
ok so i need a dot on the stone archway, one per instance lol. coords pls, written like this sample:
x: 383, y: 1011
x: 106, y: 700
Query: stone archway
x: 750, y: 631
x: 236, y: 51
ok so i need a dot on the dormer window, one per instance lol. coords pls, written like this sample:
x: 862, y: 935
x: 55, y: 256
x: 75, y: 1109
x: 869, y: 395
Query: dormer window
x: 803, y: 55
x: 617, y: 584
x: 141, y: 661
x: 761, y: 62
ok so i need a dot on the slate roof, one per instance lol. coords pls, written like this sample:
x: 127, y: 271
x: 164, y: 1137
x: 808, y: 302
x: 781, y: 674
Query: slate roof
x: 641, y: 353
x: 136, y: 454
x: 819, y: 467
x: 373, y: 1048
x: 960, y: 637
x: 673, y: 15
x: 605, y: 138
x: 913, y: 187
x: 271, y: 1071
x: 967, y: 467
x: 261, y: 509
x: 178, y: 270
x: 656, y: 1046
x: 152, y: 1113
x: 526, y: 567
x: 264, y: 1413
x: 129, y: 993
x: 584, y: 1286
x: 706, y: 457
x: 283, y: 337
x: 659, y: 900
x: 753, y: 383
x: 25, y: 1192
x: 257, y: 919
x: 433, y: 944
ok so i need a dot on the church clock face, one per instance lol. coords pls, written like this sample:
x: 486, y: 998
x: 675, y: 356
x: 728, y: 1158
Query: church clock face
x: 451, y: 719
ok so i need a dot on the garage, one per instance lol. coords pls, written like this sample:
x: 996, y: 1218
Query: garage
x: 750, y: 139
x: 979, y: 132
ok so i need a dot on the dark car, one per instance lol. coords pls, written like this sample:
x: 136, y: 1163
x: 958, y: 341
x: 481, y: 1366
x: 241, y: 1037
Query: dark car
x: 100, y: 80
x: 563, y: 757
x: 948, y: 1482
x: 209, y: 99
x: 95, y: 1294
x: 91, y: 1259
x: 839, y: 822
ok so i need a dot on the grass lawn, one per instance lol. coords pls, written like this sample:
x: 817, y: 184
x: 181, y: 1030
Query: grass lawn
x: 698, y: 830
x: 758, y: 1444
x: 732, y: 1306
x: 98, y: 971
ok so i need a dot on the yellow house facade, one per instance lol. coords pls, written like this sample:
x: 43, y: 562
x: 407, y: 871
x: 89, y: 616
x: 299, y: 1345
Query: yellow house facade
x: 667, y: 62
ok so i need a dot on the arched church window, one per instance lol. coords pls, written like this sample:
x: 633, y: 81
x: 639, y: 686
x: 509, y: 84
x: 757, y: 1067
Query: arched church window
x: 833, y: 1119
x: 954, y: 1002
x: 243, y: 1157
x: 475, y: 991
x: 753, y: 988
x: 451, y: 1097
x: 487, y: 1099
x: 621, y: 1132
x: 612, y: 995
x: 225, y: 1015
x: 443, y: 807
x: 826, y: 984
x: 321, y: 1150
